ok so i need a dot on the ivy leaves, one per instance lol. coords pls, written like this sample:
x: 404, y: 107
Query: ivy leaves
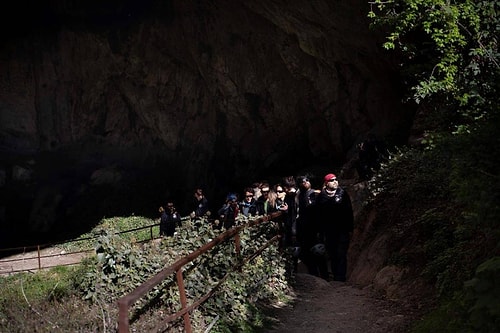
x: 120, y: 266
x: 461, y: 58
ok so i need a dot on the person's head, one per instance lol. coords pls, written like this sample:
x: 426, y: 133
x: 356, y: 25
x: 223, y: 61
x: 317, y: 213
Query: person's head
x: 331, y: 182
x: 198, y: 192
x: 290, y: 185
x: 170, y: 207
x: 256, y: 190
x: 305, y: 182
x: 280, y: 191
x: 248, y: 194
x: 231, y: 198
x: 272, y: 196
x: 264, y: 189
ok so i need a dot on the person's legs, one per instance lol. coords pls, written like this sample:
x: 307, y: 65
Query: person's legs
x: 340, y: 259
x: 309, y: 260
x: 322, y: 265
x: 331, y: 249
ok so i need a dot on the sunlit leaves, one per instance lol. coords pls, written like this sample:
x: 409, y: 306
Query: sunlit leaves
x: 121, y: 266
x: 460, y: 40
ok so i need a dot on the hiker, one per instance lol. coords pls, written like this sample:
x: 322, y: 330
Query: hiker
x: 308, y: 230
x: 262, y: 204
x: 337, y: 223
x: 200, y: 204
x: 229, y: 211
x: 256, y: 189
x: 170, y: 220
x: 247, y: 205
x: 289, y: 211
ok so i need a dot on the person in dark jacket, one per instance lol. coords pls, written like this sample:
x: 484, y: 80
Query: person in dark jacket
x: 337, y: 223
x: 289, y: 210
x: 308, y: 230
x: 229, y: 211
x: 170, y: 220
x: 247, y: 205
x: 200, y: 204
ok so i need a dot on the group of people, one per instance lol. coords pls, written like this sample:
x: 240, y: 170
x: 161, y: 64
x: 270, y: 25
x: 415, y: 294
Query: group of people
x: 259, y: 199
x: 319, y: 222
x: 316, y: 223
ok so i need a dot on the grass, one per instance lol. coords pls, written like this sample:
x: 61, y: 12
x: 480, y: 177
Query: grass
x: 45, y: 302
x: 148, y: 229
x: 49, y: 300
x: 53, y: 300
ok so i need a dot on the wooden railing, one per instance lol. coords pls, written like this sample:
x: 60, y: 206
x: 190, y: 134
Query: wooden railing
x: 126, y: 301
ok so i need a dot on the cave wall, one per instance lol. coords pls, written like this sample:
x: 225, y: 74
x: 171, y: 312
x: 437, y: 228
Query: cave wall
x: 129, y: 103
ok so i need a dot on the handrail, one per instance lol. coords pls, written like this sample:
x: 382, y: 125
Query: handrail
x: 126, y: 301
x: 44, y: 245
x: 39, y: 247
x: 39, y: 256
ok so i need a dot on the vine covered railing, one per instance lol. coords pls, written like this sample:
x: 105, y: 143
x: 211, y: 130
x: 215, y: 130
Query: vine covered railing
x: 178, y: 268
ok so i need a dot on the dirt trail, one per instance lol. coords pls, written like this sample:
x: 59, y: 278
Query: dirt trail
x: 319, y: 306
x: 336, y: 307
x: 34, y: 260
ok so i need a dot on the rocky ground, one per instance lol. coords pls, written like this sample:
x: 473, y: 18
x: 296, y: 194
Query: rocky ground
x: 331, y: 307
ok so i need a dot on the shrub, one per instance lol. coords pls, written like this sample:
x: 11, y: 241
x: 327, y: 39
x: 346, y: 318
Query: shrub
x: 121, y: 266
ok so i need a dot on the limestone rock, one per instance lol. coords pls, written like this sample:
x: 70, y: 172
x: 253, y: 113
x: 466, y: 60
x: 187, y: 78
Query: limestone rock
x: 183, y: 93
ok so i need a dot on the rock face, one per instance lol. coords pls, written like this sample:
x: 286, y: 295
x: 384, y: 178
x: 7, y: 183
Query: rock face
x: 128, y: 104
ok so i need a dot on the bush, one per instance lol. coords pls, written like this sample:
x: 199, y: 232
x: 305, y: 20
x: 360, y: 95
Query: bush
x: 445, y: 214
x: 483, y: 293
x: 83, y: 298
x: 121, y: 266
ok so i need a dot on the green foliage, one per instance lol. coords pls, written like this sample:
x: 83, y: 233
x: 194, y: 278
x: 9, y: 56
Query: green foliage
x: 447, y: 318
x: 122, y: 266
x: 447, y: 213
x: 27, y: 299
x: 119, y: 266
x: 451, y: 48
x: 148, y: 229
x: 475, y: 175
x: 483, y: 291
x: 451, y: 59
x: 54, y: 284
x: 418, y: 176
x: 473, y: 309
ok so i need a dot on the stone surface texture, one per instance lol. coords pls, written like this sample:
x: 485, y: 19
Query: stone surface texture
x: 145, y: 100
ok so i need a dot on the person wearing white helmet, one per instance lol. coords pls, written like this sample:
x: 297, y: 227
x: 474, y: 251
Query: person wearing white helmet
x: 337, y: 219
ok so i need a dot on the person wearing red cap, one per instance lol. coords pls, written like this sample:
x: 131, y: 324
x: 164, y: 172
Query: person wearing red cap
x: 337, y: 219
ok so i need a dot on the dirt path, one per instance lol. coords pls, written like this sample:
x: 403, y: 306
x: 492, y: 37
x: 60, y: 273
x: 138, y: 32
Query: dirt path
x: 319, y: 306
x: 32, y: 261
x: 336, y: 307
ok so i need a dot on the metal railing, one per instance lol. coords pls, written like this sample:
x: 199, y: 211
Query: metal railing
x: 126, y: 301
x: 37, y: 258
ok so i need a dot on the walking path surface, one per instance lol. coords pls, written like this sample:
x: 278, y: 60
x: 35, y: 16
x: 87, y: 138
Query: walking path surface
x: 336, y: 307
x: 319, y: 306
x: 34, y: 260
